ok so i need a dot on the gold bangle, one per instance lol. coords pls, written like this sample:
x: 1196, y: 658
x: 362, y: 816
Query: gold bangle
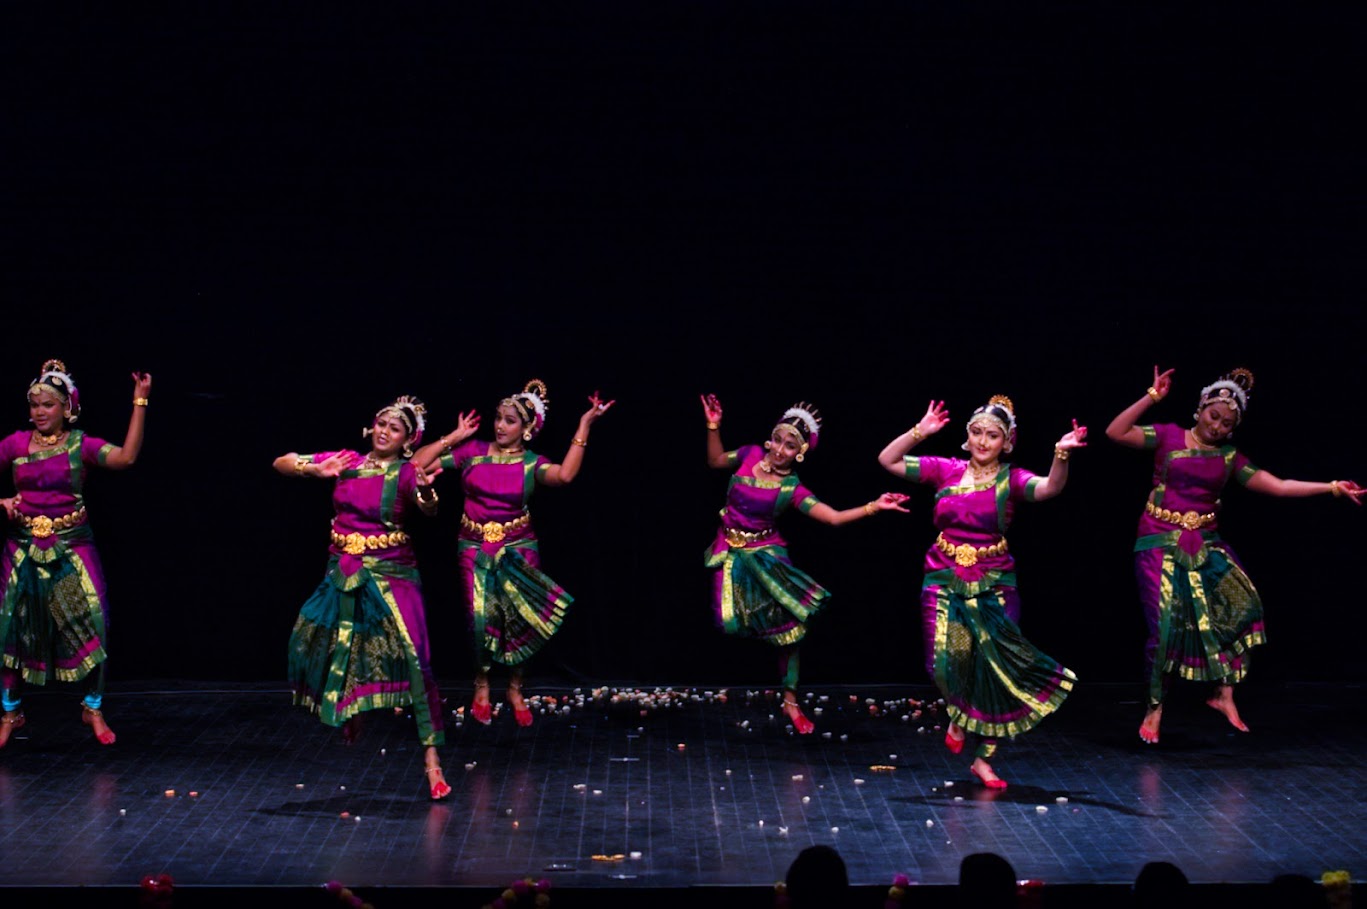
x: 299, y: 465
x: 1336, y: 489
x: 580, y: 442
x: 1153, y: 393
x: 1061, y: 454
x: 426, y: 500
x: 139, y: 402
x: 869, y: 508
x: 916, y: 434
x: 712, y: 425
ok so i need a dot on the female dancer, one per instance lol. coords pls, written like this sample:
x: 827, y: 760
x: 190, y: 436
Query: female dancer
x: 360, y: 642
x: 756, y: 591
x: 994, y: 681
x: 515, y: 607
x: 1202, y: 611
x: 53, y: 610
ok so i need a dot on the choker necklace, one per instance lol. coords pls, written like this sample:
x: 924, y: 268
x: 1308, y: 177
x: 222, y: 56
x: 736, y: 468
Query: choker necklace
x: 765, y: 466
x: 46, y: 441
x: 983, y: 476
x: 373, y: 463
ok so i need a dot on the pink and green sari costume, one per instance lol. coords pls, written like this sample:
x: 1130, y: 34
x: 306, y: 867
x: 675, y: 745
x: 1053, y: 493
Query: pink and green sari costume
x: 53, y: 609
x: 994, y: 681
x: 515, y: 608
x: 360, y: 642
x: 756, y: 590
x: 1202, y: 611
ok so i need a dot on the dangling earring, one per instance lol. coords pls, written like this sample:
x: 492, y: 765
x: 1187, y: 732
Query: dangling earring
x: 799, y: 457
x: 965, y: 445
x: 365, y: 433
x: 768, y: 444
x: 526, y: 435
x: 1007, y: 449
x: 407, y: 450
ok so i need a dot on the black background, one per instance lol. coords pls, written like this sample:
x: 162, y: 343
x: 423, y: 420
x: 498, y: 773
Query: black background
x: 291, y: 216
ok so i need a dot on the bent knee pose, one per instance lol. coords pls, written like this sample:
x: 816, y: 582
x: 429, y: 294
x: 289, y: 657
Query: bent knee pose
x: 995, y: 682
x: 756, y: 590
x: 53, y: 611
x: 1204, y: 615
x: 514, y: 606
x: 360, y: 642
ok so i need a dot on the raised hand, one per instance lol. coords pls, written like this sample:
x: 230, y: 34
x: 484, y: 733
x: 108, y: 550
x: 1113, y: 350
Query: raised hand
x: 333, y: 466
x: 891, y: 501
x: 142, y: 384
x: 466, y: 426
x: 711, y: 408
x: 1162, y: 382
x: 598, y: 408
x: 1075, y: 439
x: 936, y: 418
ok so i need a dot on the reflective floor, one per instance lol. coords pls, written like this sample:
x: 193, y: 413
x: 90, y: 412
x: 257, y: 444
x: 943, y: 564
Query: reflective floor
x: 678, y: 788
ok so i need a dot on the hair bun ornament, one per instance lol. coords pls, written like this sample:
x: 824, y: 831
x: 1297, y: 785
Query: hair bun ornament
x: 810, y: 418
x: 1241, y: 377
x: 417, y: 408
x: 1002, y: 401
x: 52, y: 366
x: 534, y: 396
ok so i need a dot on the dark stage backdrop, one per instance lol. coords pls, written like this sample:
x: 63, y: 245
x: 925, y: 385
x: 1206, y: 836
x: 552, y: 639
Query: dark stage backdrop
x: 291, y: 217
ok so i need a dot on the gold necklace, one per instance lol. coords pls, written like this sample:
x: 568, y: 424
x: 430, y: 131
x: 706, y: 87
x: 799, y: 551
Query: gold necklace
x: 982, y: 476
x: 373, y: 463
x: 47, y: 441
x: 765, y: 466
x: 1196, y: 441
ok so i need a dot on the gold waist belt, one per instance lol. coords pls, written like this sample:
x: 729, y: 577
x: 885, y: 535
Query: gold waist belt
x: 494, y: 531
x: 357, y: 543
x: 41, y: 526
x: 738, y: 539
x: 1187, y: 520
x: 968, y: 556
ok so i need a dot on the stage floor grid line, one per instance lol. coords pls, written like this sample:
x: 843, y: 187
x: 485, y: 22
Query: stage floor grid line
x: 675, y: 789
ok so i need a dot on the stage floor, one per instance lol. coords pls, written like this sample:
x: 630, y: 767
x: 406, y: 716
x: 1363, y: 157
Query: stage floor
x: 231, y: 786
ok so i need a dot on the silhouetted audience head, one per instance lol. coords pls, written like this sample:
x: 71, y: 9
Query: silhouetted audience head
x: 817, y: 879
x: 1161, y: 885
x: 1296, y: 891
x: 986, y: 881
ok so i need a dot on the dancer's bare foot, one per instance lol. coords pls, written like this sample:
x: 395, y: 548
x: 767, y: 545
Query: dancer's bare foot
x: 793, y: 710
x: 521, y: 712
x: 351, y: 729
x: 438, y: 788
x: 480, y: 708
x: 1148, y: 730
x: 95, y: 720
x: 1223, y: 701
x: 11, y: 721
x: 983, y: 771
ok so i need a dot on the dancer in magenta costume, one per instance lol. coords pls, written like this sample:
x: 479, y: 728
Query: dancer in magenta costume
x: 994, y: 681
x: 1203, y: 613
x: 360, y: 642
x: 53, y: 612
x: 756, y: 590
x: 515, y: 608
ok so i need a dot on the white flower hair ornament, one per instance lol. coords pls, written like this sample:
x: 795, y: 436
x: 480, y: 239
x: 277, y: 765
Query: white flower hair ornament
x: 531, y: 404
x: 55, y: 380
x: 1232, y: 388
x: 805, y: 420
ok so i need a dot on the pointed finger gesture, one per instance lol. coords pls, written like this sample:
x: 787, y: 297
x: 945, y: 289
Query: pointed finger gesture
x: 1075, y: 439
x: 1162, y: 382
x: 711, y: 408
x: 598, y: 407
x: 891, y: 501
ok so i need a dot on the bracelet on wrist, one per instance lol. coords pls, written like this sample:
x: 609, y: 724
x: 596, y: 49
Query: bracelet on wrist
x: 1061, y: 454
x: 870, y: 508
x: 299, y: 465
x: 1153, y: 393
x: 582, y: 443
x: 139, y: 402
x: 1335, y: 489
x: 426, y: 499
x: 713, y: 425
x: 916, y: 434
